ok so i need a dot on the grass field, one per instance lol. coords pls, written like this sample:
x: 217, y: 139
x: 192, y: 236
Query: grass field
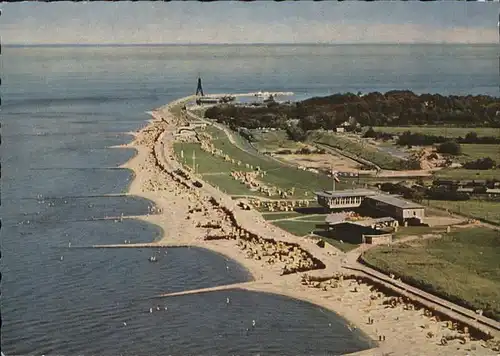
x: 298, y: 228
x: 205, y: 162
x: 415, y: 230
x: 369, y: 153
x: 462, y: 173
x: 486, y: 210
x: 273, y: 140
x: 471, y: 152
x: 462, y: 266
x: 441, y: 131
x: 280, y: 175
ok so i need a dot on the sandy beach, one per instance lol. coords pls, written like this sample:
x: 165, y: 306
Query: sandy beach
x: 188, y: 215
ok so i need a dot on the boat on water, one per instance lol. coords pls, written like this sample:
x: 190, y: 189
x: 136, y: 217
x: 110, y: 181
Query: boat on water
x: 153, y: 259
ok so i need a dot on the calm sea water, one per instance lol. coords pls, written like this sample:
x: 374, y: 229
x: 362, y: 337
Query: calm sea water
x: 62, y: 110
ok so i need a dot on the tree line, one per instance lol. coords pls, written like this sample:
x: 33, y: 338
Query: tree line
x: 394, y: 108
x: 409, y: 138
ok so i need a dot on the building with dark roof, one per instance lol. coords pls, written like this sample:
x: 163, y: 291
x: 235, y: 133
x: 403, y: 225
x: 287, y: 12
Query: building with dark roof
x: 388, y: 205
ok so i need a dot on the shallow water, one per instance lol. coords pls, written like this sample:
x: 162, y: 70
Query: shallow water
x: 61, y: 110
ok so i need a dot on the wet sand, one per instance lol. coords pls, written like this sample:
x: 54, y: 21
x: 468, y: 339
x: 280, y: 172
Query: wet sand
x: 182, y: 210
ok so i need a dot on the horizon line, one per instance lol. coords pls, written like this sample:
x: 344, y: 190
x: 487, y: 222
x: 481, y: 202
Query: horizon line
x: 236, y: 44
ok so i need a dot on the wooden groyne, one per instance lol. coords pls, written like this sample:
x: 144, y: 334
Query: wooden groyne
x: 209, y: 289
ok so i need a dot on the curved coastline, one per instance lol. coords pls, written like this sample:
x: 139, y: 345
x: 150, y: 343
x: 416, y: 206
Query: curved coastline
x: 152, y: 143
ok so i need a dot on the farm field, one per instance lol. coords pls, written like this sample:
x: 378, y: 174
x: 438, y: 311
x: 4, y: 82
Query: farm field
x: 487, y: 210
x: 440, y: 130
x: 449, y: 266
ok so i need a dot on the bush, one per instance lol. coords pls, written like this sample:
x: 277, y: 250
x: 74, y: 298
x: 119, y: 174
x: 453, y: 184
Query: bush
x: 481, y: 163
x: 296, y: 133
x: 370, y: 133
x: 450, y: 147
x: 442, y: 193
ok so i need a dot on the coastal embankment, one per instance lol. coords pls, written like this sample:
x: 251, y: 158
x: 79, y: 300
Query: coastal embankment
x: 201, y: 215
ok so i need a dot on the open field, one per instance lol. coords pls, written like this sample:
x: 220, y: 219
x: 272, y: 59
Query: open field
x: 229, y: 185
x: 298, y: 228
x: 440, y: 130
x: 365, y: 151
x: 471, y: 152
x: 278, y: 174
x: 416, y: 231
x: 486, y: 210
x: 205, y: 162
x: 273, y: 140
x: 462, y: 266
x: 461, y: 173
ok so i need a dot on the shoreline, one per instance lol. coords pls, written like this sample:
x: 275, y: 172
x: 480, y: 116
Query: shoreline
x: 406, y: 332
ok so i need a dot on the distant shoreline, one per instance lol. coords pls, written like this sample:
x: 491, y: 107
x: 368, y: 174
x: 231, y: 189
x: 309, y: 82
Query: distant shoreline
x: 304, y: 44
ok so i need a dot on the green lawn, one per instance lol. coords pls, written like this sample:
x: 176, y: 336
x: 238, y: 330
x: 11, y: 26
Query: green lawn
x: 486, y: 210
x: 278, y: 174
x: 206, y: 163
x: 229, y: 185
x: 441, y: 131
x: 297, y: 228
x: 462, y: 266
x: 416, y: 230
x: 471, y: 152
x: 214, y: 132
x: 461, y: 173
x: 273, y: 140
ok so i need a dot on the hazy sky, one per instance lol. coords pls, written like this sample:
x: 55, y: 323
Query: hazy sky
x: 256, y: 22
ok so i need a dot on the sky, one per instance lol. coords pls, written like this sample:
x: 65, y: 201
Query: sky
x: 190, y: 22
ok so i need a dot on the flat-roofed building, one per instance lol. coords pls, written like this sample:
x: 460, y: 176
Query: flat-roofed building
x: 400, y: 209
x: 349, y: 198
x: 381, y: 204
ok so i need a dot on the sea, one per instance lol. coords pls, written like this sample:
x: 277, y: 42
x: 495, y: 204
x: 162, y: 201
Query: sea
x: 65, y: 109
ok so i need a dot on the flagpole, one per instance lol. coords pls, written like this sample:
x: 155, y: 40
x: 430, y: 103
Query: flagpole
x: 194, y: 163
x: 333, y: 181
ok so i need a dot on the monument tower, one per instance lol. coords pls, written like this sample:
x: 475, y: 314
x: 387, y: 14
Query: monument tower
x: 199, y: 89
